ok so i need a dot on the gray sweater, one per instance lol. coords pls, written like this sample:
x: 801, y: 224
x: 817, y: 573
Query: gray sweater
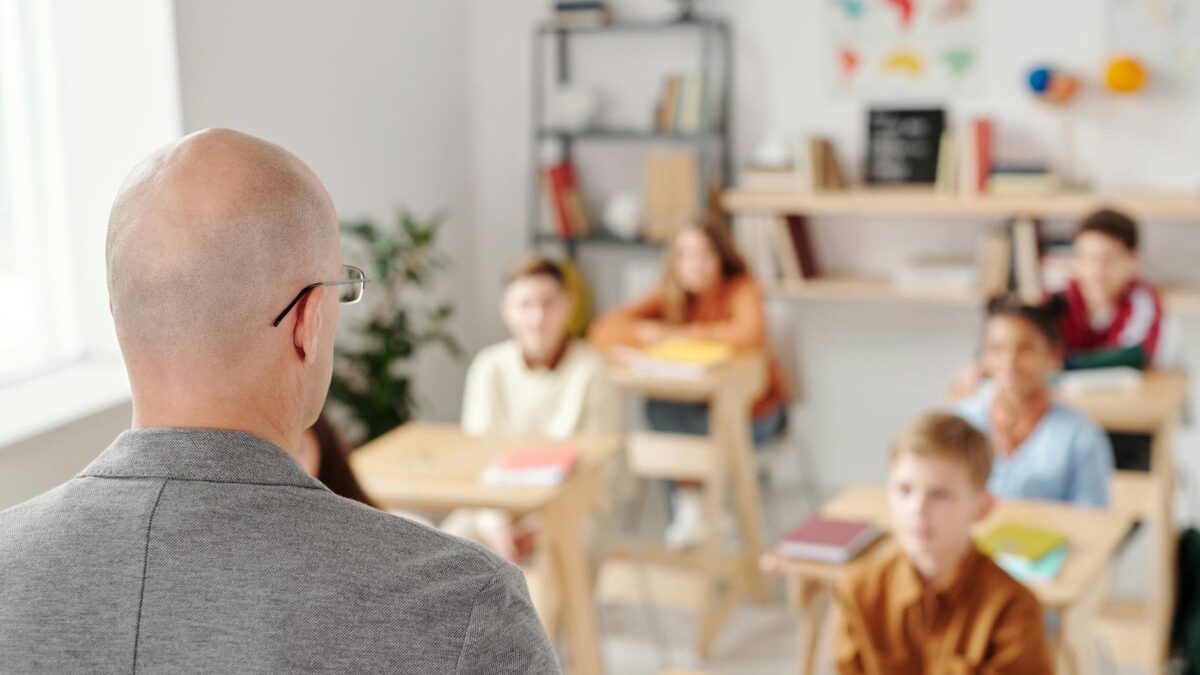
x: 198, y: 550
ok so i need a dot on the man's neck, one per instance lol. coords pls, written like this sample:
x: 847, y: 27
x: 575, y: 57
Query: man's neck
x: 148, y: 413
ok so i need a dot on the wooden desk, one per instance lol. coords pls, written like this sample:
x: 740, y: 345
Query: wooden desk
x: 1076, y: 593
x: 429, y: 466
x: 1140, y: 632
x: 730, y: 390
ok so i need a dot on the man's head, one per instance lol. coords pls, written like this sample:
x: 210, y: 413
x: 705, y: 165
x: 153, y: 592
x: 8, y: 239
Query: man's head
x: 937, y: 485
x: 209, y: 239
x: 1106, y: 255
x: 536, y: 307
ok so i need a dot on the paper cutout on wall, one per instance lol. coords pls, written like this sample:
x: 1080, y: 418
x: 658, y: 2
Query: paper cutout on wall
x: 849, y: 62
x: 897, y: 49
x: 959, y: 61
x: 853, y: 8
x: 905, y: 63
x: 1161, y: 35
x: 905, y: 8
x: 953, y: 9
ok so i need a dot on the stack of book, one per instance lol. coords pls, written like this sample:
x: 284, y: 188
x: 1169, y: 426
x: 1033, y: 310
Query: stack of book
x: 680, y: 105
x: 536, y: 466
x: 1026, y: 552
x: 828, y: 540
x: 681, y: 358
x: 966, y: 165
x: 571, y: 14
x: 568, y: 217
x: 1016, y: 180
x: 777, y: 247
x: 814, y: 168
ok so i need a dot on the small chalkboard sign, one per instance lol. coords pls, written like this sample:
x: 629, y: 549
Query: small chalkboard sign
x: 902, y: 146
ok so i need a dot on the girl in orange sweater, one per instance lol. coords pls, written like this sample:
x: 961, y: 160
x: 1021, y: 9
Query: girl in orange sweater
x: 707, y: 293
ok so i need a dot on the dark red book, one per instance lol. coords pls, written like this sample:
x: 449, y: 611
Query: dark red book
x: 828, y: 540
x: 798, y: 227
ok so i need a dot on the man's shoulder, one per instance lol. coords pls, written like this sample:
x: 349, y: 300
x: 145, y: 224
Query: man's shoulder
x: 399, y: 542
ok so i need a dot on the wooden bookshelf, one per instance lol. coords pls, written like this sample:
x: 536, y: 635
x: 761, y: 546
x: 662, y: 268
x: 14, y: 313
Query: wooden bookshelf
x: 923, y: 202
x: 1178, y: 298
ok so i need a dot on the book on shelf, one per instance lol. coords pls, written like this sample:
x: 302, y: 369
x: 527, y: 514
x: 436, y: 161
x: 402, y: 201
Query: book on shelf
x: 532, y: 466
x: 670, y: 192
x: 691, y: 103
x: 976, y: 156
x: 1025, y: 551
x: 995, y: 261
x: 947, y: 164
x: 569, y: 15
x: 1058, y: 265
x: 937, y: 273
x: 564, y: 200
x: 816, y: 165
x: 770, y: 179
x: 828, y: 540
x: 682, y: 358
x: 776, y: 247
x: 668, y: 105
x: 680, y: 107
x: 1027, y: 260
x: 1022, y: 181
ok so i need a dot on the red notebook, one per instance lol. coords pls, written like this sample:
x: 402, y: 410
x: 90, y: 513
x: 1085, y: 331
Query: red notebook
x: 531, y: 466
x: 828, y: 540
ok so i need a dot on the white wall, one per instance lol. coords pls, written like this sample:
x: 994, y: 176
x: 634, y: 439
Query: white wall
x: 864, y: 367
x: 119, y: 100
x: 371, y: 93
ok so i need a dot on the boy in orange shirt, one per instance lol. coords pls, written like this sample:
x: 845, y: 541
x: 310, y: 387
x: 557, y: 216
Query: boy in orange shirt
x: 938, y: 605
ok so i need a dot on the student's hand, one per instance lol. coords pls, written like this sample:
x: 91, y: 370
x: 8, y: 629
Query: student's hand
x: 966, y: 381
x: 652, y: 332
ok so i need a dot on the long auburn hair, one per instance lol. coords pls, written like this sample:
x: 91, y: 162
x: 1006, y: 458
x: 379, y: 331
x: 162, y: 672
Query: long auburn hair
x: 677, y: 301
x: 334, y: 470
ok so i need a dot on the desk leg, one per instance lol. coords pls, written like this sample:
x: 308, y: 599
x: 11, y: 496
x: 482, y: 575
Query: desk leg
x: 731, y: 428
x: 572, y: 576
x: 810, y: 599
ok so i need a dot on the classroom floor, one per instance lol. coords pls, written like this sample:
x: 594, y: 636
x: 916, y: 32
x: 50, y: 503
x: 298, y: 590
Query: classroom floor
x: 756, y: 640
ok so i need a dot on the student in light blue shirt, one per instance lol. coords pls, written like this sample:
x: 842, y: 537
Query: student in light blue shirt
x: 1044, y: 449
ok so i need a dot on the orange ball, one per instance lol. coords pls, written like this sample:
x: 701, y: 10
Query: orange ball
x: 1125, y: 75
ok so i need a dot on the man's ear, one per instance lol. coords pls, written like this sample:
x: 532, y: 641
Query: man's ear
x: 310, y: 313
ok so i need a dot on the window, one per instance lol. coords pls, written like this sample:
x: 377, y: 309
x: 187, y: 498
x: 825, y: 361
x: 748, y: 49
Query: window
x: 37, y: 303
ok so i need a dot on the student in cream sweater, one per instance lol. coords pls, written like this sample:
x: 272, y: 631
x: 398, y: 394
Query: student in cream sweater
x: 540, y: 382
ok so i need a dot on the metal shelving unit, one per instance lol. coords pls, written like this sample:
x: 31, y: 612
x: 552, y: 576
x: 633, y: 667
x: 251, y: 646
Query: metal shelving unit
x: 711, y: 143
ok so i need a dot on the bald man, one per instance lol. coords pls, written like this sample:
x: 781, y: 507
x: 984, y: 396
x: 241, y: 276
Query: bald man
x: 195, y: 542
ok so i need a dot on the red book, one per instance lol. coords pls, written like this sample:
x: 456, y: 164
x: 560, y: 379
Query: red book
x: 982, y: 128
x: 559, y: 179
x: 537, y: 465
x: 828, y: 540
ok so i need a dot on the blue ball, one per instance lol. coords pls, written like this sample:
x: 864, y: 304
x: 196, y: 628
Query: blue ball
x: 1039, y: 80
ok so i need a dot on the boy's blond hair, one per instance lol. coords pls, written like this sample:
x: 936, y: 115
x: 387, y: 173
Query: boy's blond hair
x: 941, y: 434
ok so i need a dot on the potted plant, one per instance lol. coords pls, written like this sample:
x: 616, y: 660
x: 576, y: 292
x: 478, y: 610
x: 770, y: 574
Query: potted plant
x: 372, y: 378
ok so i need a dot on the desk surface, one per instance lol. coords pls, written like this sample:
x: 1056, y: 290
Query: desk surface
x: 437, y: 466
x: 1158, y: 402
x: 1093, y: 534
x: 747, y: 370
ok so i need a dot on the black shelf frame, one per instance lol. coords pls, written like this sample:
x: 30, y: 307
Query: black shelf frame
x: 711, y: 143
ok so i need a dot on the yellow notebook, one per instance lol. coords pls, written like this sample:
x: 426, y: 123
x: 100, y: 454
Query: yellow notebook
x: 696, y: 352
x: 1021, y: 542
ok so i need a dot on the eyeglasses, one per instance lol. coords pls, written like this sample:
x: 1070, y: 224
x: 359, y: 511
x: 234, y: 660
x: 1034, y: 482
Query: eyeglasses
x: 353, y: 281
